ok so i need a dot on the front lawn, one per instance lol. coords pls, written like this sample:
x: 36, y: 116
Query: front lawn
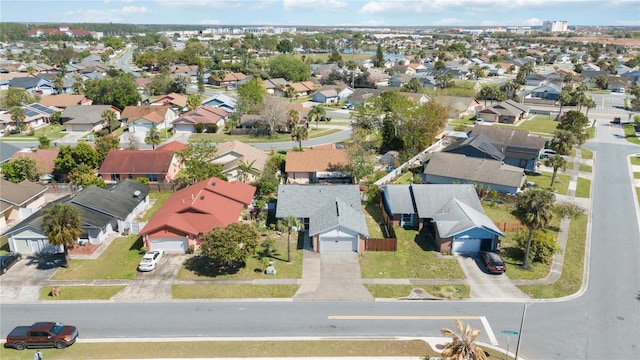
x: 543, y: 180
x: 414, y: 259
x: 630, y: 134
x: 583, y: 190
x: 200, y: 268
x: 635, y: 160
x: 572, y: 268
x: 249, y: 139
x: 585, y: 168
x: 232, y: 291
x: 541, y: 124
x: 118, y: 261
x: 81, y: 292
x: 586, y: 153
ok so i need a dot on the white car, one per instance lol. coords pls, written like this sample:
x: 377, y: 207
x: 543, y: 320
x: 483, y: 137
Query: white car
x: 150, y: 260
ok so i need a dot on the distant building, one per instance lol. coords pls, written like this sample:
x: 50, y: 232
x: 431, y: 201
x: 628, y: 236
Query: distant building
x: 555, y: 26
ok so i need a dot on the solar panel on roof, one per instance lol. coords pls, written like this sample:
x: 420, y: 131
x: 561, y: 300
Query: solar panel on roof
x: 42, y: 108
x: 30, y: 112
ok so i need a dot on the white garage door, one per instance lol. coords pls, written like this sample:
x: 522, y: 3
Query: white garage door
x: 466, y: 245
x: 338, y: 244
x: 169, y: 245
x: 184, y: 128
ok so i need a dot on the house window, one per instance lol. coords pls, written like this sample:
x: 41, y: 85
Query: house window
x: 130, y: 176
x: 152, y: 177
x: 406, y: 219
x: 115, y: 177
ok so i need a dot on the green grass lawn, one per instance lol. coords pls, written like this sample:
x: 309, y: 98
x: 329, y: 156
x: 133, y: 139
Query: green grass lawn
x: 572, y: 269
x: 585, y: 168
x: 636, y: 175
x: 544, y: 180
x: 630, y: 133
x: 540, y: 124
x: 583, y: 190
x: 81, y: 292
x: 399, y: 291
x: 635, y: 160
x: 199, y: 268
x: 586, y: 153
x: 406, y: 178
x: 499, y: 213
x: 373, y: 216
x: 638, y: 194
x: 466, y: 121
x: 414, y: 259
x: 232, y: 291
x: 118, y: 261
x: 278, y: 137
x: 4, y: 244
x: 51, y: 131
x: 156, y: 200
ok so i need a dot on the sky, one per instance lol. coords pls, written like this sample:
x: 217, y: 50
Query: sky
x: 359, y: 13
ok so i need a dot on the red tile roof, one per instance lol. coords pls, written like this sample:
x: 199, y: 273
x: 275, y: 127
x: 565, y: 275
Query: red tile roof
x: 45, y: 159
x: 173, y: 146
x: 314, y: 160
x: 136, y: 162
x: 199, y: 208
x: 153, y: 113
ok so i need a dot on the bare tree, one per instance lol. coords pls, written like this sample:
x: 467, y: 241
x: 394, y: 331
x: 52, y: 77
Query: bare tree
x: 274, y: 114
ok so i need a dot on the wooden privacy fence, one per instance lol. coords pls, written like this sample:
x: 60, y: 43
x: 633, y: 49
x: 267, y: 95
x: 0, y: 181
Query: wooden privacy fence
x: 381, y: 244
x: 510, y: 226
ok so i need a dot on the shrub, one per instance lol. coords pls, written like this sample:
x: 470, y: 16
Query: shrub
x: 543, y: 245
x: 144, y: 249
x: 199, y: 128
x: 212, y: 128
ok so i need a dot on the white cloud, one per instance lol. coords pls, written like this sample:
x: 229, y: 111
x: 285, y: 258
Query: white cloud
x: 209, y: 22
x: 201, y: 4
x: 374, y: 23
x: 135, y: 10
x: 125, y: 14
x: 263, y: 5
x: 462, y: 6
x: 316, y: 5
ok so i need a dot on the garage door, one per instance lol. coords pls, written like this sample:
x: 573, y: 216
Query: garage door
x: 466, y: 245
x: 338, y: 244
x: 184, y: 128
x: 169, y: 245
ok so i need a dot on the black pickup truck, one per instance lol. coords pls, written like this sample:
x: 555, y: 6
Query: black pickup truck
x: 42, y: 335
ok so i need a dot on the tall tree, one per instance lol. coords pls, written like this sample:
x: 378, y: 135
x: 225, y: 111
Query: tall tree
x: 153, y: 137
x: 246, y: 169
x: 316, y: 113
x: 109, y: 118
x: 62, y: 225
x: 577, y: 123
x: 564, y: 98
x: 563, y: 141
x: 535, y: 211
x: 194, y: 101
x: 378, y: 60
x: 20, y: 169
x: 18, y: 116
x: 293, y: 118
x: 463, y: 343
x: 556, y: 162
x: 251, y: 95
x: 71, y: 156
x: 289, y: 224
x: 104, y: 144
x: 197, y: 159
x: 300, y: 133
x: 228, y: 248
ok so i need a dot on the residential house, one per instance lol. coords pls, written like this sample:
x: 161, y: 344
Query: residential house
x: 418, y: 98
x: 7, y: 151
x: 361, y: 95
x: 488, y: 174
x: 191, y: 212
x: 519, y: 147
x: 398, y: 80
x: 505, y: 112
x: 332, y: 215
x: 325, y: 165
x: 204, y: 115
x: 617, y: 84
x: 549, y: 91
x: 227, y: 79
x: 44, y: 158
x: 102, y: 212
x: 157, y: 166
x: 36, y: 116
x: 142, y: 118
x: 221, y: 100
x: 68, y: 81
x: 62, y: 101
x: 177, y: 101
x: 458, y: 106
x: 535, y: 80
x: 18, y: 201
x: 275, y: 86
x: 32, y: 84
x: 231, y: 155
x: 329, y: 96
x: 173, y: 146
x: 303, y: 88
x: 450, y: 213
x: 86, y: 118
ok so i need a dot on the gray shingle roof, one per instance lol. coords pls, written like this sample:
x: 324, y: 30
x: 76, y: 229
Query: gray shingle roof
x: 326, y: 206
x: 118, y: 201
x: 480, y: 142
x: 456, y: 217
x: 81, y: 114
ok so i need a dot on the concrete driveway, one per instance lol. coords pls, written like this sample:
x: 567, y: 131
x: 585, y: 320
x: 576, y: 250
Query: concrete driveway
x: 24, y: 279
x: 155, y: 284
x: 485, y: 285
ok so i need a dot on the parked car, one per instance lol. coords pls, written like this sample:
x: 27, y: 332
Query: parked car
x: 150, y: 260
x: 493, y: 262
x: 41, y: 335
x: 348, y: 107
x: 547, y: 152
x: 8, y: 260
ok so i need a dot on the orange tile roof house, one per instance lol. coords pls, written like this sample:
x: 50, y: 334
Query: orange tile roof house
x: 63, y: 101
x: 142, y: 118
x: 191, y: 212
x: 324, y: 165
x: 157, y: 166
x: 205, y: 115
x: 172, y: 99
x: 45, y: 159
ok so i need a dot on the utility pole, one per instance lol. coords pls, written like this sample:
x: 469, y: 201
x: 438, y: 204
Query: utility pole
x: 524, y: 314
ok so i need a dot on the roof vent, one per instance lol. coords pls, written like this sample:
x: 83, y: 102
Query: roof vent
x: 136, y: 193
x: 202, y: 197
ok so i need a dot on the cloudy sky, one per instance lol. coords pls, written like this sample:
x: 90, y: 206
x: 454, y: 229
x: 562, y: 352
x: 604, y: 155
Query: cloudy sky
x: 326, y: 12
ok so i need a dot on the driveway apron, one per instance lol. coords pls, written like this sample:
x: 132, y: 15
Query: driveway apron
x: 331, y: 276
x: 485, y: 285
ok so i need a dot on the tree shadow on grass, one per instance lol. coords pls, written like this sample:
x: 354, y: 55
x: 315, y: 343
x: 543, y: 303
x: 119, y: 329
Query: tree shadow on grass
x: 509, y: 253
x: 203, y: 266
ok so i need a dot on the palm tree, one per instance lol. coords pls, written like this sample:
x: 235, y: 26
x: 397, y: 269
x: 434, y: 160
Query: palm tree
x: 556, y: 162
x: 589, y: 104
x: 289, y: 224
x: 153, y: 137
x: 463, y: 345
x: 18, y: 116
x: 245, y: 169
x: 564, y: 98
x: 535, y: 211
x: 108, y: 117
x: 300, y: 133
x: 61, y: 223
x: 291, y: 93
x: 563, y: 141
x: 316, y: 113
x: 293, y: 118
